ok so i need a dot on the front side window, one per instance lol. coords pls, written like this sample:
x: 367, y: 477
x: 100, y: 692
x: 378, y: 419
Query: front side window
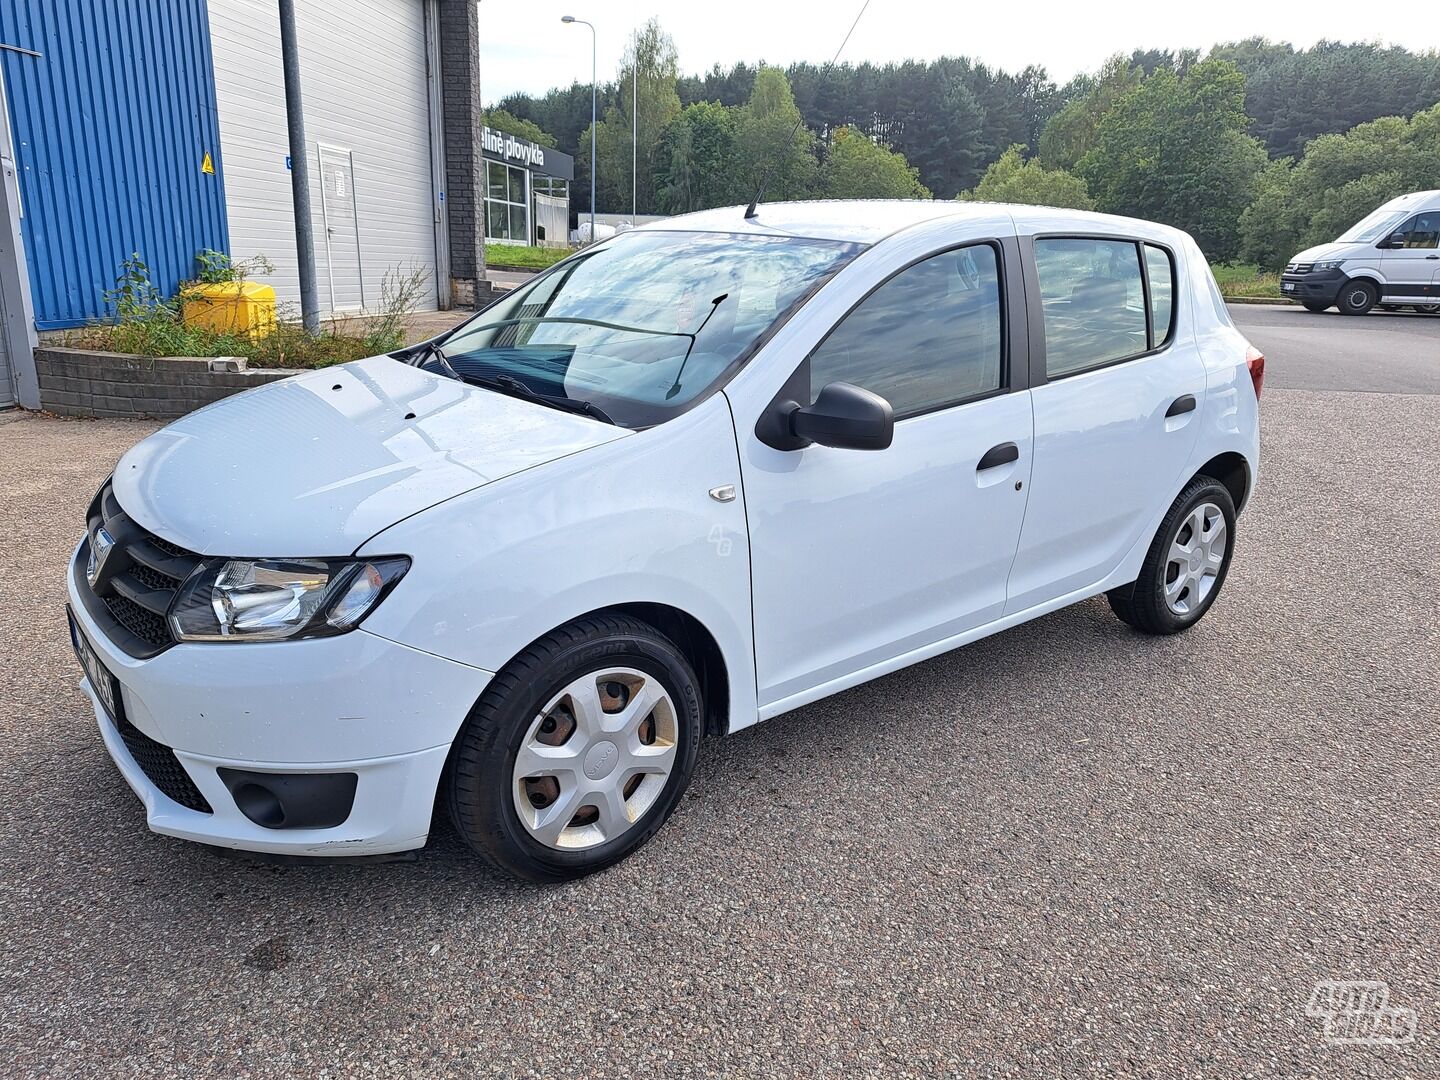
x: 1093, y: 301
x: 927, y: 338
x: 1423, y: 231
x: 640, y: 325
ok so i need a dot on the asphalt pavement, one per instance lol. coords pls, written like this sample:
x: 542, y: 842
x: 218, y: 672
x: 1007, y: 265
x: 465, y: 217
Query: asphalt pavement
x: 1383, y: 352
x: 1065, y: 851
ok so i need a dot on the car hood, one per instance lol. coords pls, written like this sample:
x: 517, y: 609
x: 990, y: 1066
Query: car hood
x: 317, y: 464
x: 1321, y: 252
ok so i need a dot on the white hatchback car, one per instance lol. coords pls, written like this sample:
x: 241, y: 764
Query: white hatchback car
x: 686, y: 480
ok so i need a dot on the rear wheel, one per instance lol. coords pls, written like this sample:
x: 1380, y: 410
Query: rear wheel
x: 1427, y: 309
x: 1357, y: 298
x: 1314, y: 305
x: 1186, y: 565
x: 578, y: 750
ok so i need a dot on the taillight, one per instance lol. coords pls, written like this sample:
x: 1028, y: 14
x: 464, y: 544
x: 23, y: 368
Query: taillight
x: 1255, y: 361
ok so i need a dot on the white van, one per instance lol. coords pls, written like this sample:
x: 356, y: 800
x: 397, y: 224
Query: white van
x: 690, y: 478
x: 1390, y: 258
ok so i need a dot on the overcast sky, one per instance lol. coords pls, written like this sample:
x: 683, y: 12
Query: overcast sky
x: 524, y: 46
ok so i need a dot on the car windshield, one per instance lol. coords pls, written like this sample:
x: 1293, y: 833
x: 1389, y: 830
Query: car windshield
x: 1372, y: 227
x: 635, y: 329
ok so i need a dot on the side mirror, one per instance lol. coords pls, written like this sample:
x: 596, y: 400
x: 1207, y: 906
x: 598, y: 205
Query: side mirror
x: 843, y: 416
x: 1394, y: 240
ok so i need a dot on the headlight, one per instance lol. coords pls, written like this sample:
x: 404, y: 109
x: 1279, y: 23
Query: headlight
x: 1334, y: 265
x: 274, y: 599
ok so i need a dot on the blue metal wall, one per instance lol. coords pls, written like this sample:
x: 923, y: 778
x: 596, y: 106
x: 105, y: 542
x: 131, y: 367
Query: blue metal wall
x: 111, y: 126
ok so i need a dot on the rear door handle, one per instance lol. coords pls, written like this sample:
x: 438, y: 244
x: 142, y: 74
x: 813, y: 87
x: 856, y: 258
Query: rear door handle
x: 1183, y: 404
x: 1003, y: 454
x: 1432, y: 256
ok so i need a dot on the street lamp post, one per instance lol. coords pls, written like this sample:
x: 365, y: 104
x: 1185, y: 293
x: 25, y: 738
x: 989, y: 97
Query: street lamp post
x: 635, y: 131
x: 593, y: 162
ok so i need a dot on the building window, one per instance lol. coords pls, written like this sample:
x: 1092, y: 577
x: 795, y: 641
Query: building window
x: 507, y: 210
x: 550, y: 185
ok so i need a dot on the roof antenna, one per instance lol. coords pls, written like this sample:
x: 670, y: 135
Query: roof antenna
x: 770, y: 169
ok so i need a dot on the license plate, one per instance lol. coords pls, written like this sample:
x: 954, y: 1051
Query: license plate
x: 1289, y: 286
x: 106, y: 686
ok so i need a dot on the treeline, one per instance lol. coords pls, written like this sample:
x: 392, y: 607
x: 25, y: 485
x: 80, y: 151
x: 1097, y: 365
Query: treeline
x: 1222, y: 145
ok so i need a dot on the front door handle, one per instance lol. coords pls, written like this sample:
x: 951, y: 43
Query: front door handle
x: 1003, y: 454
x: 1180, y: 405
x: 1432, y: 256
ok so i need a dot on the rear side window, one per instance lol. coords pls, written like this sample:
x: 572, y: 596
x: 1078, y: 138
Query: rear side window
x: 1161, y: 275
x: 927, y: 338
x: 1094, y: 302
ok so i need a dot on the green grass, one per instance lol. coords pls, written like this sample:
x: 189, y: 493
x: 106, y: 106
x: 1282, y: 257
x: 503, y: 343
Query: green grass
x: 505, y: 256
x: 1246, y: 279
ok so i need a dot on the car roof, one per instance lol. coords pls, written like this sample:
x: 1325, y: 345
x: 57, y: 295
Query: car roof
x: 868, y: 221
x: 1415, y: 200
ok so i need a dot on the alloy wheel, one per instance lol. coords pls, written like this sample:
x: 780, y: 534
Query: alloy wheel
x: 1196, y: 556
x: 595, y: 759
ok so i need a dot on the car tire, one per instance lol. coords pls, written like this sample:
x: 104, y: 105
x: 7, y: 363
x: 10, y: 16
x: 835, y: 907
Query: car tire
x: 1427, y: 309
x: 1172, y: 593
x: 1315, y: 306
x: 1356, y: 298
x: 501, y: 815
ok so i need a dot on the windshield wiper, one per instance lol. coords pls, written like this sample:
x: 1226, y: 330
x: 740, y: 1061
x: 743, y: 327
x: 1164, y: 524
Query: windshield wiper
x: 513, y: 387
x: 581, y: 322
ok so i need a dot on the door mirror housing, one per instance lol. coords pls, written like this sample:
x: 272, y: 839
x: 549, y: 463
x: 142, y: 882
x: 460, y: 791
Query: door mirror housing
x: 1394, y: 240
x: 843, y: 416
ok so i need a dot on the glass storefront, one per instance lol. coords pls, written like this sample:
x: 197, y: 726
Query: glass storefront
x: 507, y: 203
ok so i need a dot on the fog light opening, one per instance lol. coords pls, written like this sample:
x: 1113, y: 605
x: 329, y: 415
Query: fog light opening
x: 260, y: 805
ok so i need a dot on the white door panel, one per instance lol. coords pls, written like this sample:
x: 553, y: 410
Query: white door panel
x: 1106, y: 459
x: 1410, y: 271
x: 860, y: 556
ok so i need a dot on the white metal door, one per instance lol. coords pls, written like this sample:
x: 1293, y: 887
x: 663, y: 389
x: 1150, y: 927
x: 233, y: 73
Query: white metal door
x: 862, y: 557
x: 1411, y: 270
x: 1112, y: 436
x: 339, y: 208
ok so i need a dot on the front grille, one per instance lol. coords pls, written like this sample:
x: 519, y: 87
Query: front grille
x: 138, y: 580
x: 1299, y: 268
x: 152, y: 578
x: 145, y: 625
x: 161, y: 767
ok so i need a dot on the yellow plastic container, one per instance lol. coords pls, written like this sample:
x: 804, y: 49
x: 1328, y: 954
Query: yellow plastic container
x: 230, y: 307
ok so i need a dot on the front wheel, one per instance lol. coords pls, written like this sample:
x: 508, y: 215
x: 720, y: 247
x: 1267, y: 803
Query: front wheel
x: 1186, y: 564
x: 577, y: 751
x: 1427, y: 309
x: 1357, y: 298
x: 1314, y: 305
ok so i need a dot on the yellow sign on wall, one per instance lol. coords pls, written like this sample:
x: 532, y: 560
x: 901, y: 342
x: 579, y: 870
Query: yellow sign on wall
x: 206, y: 165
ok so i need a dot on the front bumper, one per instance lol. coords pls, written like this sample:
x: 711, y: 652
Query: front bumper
x: 356, y: 703
x: 1313, y: 288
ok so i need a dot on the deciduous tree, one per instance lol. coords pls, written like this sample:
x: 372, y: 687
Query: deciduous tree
x: 858, y: 168
x: 1012, y: 179
x: 1174, y: 149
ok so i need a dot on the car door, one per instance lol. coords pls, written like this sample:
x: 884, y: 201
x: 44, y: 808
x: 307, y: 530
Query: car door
x: 861, y: 558
x: 1116, y: 381
x: 1412, y: 270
